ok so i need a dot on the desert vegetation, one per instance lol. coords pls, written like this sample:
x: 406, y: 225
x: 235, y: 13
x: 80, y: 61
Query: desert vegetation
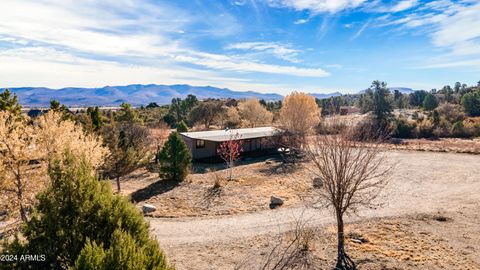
x: 58, y: 169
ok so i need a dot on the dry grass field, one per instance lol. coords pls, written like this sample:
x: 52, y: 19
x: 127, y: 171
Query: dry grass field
x: 420, y: 241
x: 429, y: 220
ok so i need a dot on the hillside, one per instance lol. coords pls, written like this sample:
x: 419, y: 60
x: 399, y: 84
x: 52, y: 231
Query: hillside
x: 135, y: 94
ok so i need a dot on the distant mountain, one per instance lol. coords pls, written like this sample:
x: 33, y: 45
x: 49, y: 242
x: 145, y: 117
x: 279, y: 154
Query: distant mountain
x: 324, y: 96
x: 135, y: 94
x: 403, y: 90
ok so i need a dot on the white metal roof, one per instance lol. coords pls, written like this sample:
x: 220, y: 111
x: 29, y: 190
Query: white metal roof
x: 225, y: 135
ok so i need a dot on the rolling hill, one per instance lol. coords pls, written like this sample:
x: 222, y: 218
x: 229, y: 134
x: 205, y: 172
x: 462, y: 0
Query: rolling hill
x: 135, y: 94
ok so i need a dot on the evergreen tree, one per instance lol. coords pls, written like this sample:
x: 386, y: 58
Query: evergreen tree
x: 416, y: 98
x: 124, y: 253
x: 471, y: 103
x: 77, y: 213
x: 128, y: 144
x: 435, y: 118
x: 174, y: 158
x: 430, y: 102
x: 398, y: 99
x: 9, y: 102
x: 128, y: 114
x: 382, y: 105
x: 57, y: 107
x: 95, y: 117
x: 152, y: 105
x: 182, y: 127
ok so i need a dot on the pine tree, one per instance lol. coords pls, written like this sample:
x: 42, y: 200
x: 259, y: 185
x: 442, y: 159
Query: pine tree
x: 430, y: 102
x: 471, y: 103
x: 382, y: 105
x: 182, y: 127
x: 95, y: 117
x: 174, y: 159
x: 9, y: 102
x: 78, y: 213
x: 128, y: 144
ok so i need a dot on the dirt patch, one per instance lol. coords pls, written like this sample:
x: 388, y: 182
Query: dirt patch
x: 408, y: 242
x: 416, y: 175
x: 212, y: 194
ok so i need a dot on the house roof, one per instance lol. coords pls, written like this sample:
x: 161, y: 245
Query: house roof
x: 225, y: 135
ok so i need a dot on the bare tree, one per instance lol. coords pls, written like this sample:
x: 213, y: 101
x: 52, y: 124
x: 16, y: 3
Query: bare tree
x: 290, y: 250
x: 159, y: 135
x: 230, y: 151
x: 352, y: 176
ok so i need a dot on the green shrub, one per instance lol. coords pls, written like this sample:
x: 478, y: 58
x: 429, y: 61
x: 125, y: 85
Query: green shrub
x: 458, y: 130
x: 77, y: 207
x: 403, y: 128
x: 182, y: 127
x: 471, y: 103
x: 429, y: 102
x: 174, y: 158
x: 124, y: 253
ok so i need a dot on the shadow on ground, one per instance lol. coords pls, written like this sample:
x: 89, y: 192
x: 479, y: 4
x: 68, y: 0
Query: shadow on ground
x: 208, y: 165
x: 153, y: 189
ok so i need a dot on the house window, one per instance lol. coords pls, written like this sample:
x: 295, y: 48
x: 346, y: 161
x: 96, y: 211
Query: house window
x: 200, y: 144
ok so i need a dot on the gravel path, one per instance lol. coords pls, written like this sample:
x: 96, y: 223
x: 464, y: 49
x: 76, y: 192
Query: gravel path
x: 421, y: 182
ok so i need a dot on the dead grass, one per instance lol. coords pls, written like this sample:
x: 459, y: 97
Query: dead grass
x: 453, y: 145
x: 249, y: 191
x: 409, y: 242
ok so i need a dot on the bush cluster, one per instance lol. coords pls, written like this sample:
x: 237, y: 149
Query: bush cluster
x: 447, y: 121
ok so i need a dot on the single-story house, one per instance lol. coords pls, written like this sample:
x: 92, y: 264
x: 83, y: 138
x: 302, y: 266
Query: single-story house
x: 204, y: 144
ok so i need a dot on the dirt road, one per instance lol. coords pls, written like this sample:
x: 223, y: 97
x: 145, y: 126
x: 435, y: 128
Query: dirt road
x: 421, y: 182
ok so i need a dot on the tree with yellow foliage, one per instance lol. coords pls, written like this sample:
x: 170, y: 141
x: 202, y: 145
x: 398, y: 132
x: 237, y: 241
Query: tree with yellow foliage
x: 18, y: 177
x: 299, y: 114
x: 56, y: 135
x: 253, y: 114
x: 26, y: 150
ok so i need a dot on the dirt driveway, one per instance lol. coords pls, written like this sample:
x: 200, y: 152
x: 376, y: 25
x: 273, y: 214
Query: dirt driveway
x: 422, y: 182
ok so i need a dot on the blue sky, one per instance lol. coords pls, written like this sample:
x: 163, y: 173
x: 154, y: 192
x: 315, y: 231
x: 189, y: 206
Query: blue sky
x: 260, y: 45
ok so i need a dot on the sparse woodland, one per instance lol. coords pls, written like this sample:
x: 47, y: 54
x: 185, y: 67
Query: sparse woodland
x: 54, y: 164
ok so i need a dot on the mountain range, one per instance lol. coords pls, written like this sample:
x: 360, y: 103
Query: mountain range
x: 139, y: 94
x: 135, y: 94
x: 403, y: 90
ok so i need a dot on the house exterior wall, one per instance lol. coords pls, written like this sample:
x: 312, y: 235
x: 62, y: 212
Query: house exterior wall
x: 210, y: 149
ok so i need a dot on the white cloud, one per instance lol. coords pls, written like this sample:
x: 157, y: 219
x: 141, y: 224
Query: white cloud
x: 454, y: 27
x: 90, y: 43
x: 360, y: 31
x: 70, y: 70
x: 222, y: 62
x: 279, y: 50
x: 404, y: 5
x: 317, y: 6
x: 460, y: 31
x: 300, y: 21
x: 455, y: 64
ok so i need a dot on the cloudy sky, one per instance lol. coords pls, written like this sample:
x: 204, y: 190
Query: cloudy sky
x: 260, y: 45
